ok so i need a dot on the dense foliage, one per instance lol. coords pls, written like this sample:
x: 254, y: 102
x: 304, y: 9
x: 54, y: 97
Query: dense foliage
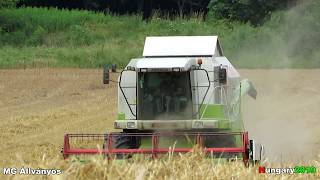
x: 8, y: 3
x: 242, y: 10
x: 247, y: 10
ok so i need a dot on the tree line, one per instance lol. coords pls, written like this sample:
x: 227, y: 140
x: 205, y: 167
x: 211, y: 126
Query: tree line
x: 253, y: 11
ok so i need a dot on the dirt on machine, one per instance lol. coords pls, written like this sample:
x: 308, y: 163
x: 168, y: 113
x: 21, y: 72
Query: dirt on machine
x: 183, y: 92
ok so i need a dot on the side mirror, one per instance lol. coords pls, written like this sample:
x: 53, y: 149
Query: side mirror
x: 113, y: 68
x: 222, y: 75
x: 106, y: 75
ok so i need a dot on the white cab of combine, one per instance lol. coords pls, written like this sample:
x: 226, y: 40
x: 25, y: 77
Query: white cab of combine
x: 185, y: 79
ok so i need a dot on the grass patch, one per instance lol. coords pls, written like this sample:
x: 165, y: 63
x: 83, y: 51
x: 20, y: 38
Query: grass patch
x: 71, y: 38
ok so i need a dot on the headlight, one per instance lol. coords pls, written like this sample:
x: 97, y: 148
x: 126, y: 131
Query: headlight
x: 131, y: 125
x: 143, y: 70
x: 198, y: 124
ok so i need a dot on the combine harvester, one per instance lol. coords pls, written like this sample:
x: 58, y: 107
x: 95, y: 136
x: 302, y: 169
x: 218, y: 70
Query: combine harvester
x: 182, y: 93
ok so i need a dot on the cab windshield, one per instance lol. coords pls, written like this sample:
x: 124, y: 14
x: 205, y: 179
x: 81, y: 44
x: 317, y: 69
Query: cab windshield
x: 164, y: 96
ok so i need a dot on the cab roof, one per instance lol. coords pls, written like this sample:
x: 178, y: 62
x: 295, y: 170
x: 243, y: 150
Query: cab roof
x: 182, y: 46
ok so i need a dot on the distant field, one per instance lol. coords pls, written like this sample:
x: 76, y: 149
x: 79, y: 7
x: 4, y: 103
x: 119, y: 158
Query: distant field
x: 40, y: 37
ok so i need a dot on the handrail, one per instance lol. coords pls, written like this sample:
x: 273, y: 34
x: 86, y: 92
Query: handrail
x: 125, y: 95
x: 206, y: 90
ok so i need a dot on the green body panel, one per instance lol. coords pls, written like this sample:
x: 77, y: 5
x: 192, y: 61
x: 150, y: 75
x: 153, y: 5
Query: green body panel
x: 224, y: 124
x: 121, y: 116
x: 215, y: 111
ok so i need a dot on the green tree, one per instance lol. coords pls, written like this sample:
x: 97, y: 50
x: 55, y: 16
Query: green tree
x: 253, y: 11
x: 8, y: 3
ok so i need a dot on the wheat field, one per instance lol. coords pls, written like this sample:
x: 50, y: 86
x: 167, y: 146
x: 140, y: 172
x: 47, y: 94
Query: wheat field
x: 38, y: 106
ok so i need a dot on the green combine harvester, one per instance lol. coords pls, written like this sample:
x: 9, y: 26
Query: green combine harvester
x: 183, y: 92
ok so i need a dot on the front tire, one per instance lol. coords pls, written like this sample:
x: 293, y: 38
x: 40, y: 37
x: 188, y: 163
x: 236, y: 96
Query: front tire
x: 223, y: 141
x: 122, y: 141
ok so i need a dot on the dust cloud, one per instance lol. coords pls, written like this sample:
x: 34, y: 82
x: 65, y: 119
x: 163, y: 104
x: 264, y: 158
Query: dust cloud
x: 285, y: 116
